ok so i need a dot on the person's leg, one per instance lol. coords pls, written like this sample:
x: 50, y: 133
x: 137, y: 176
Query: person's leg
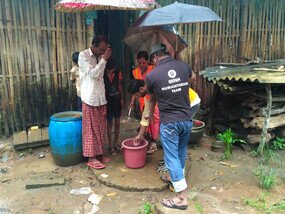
x: 185, y: 128
x: 109, y: 130
x: 169, y: 135
x: 153, y: 130
x: 117, y: 131
x: 79, y: 104
x: 101, y: 128
x: 89, y: 136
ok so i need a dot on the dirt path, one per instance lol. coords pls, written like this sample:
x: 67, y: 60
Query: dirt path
x: 214, y: 187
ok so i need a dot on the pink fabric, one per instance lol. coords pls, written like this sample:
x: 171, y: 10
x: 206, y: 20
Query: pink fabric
x: 93, y: 129
x: 153, y: 128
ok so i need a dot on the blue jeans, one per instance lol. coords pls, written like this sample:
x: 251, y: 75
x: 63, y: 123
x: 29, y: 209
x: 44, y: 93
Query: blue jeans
x: 175, y: 138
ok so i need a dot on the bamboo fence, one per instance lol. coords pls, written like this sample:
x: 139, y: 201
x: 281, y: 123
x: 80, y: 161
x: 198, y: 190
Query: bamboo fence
x: 36, y: 46
x: 37, y: 42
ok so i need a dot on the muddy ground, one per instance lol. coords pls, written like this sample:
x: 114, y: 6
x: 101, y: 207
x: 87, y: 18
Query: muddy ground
x: 213, y: 187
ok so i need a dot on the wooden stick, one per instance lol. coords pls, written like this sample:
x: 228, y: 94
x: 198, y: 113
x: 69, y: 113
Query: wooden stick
x: 260, y: 148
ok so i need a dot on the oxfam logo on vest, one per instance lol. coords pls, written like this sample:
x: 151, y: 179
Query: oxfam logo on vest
x: 172, y: 73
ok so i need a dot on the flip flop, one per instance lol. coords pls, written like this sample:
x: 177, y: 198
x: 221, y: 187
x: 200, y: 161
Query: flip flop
x: 162, y: 169
x: 171, y: 187
x: 96, y: 165
x: 172, y: 205
x: 113, y: 151
x: 152, y: 149
x: 105, y: 159
x: 161, y: 162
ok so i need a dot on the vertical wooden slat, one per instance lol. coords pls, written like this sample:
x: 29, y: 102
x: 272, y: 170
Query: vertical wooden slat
x: 9, y: 42
x: 5, y: 113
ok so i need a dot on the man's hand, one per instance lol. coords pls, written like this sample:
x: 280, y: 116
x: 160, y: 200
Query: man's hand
x: 107, y: 54
x: 131, y: 105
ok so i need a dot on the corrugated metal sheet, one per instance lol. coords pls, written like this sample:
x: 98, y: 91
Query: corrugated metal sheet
x: 248, y: 73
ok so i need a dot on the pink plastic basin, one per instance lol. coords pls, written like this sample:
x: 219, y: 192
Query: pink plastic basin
x: 135, y: 156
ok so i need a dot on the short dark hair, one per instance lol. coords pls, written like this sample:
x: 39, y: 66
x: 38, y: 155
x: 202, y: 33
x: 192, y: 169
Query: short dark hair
x: 75, y: 57
x: 135, y: 85
x: 100, y: 38
x: 111, y: 64
x: 142, y: 54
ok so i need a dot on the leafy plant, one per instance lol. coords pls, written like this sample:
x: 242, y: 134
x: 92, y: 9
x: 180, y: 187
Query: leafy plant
x: 278, y: 143
x: 261, y: 204
x: 198, y: 207
x: 253, y: 153
x: 228, y: 139
x: 147, y: 209
x: 266, y: 178
x: 270, y: 155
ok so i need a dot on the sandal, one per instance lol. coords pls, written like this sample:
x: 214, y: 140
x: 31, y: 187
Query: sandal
x: 96, y: 165
x: 162, y: 169
x: 152, y: 149
x: 104, y: 159
x: 165, y: 179
x: 113, y: 151
x: 161, y: 162
x: 171, y: 204
x: 119, y: 150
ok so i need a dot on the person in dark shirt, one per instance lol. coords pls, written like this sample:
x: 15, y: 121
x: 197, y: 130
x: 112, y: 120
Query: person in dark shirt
x: 168, y: 85
x: 113, y: 86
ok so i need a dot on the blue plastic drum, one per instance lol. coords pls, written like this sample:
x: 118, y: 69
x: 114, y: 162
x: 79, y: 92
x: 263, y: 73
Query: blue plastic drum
x: 65, y: 136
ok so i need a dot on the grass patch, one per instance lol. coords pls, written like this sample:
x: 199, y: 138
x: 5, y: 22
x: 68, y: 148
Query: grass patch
x: 147, y: 208
x: 261, y: 204
x: 266, y: 177
x: 198, y: 207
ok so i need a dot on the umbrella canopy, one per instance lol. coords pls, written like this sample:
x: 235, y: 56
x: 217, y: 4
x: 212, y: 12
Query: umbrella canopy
x: 178, y: 13
x: 87, y: 5
x: 144, y: 38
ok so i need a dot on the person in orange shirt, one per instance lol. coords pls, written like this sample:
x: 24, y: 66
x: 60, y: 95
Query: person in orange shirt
x: 140, y: 73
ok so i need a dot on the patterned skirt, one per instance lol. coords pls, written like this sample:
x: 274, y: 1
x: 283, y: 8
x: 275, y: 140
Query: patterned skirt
x: 93, y: 129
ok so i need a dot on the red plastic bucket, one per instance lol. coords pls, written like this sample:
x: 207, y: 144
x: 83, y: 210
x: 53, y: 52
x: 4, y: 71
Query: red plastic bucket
x: 135, y: 156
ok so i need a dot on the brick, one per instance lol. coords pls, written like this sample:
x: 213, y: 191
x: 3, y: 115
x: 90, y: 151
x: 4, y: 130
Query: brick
x: 20, y: 140
x: 34, y: 136
x: 44, y: 181
x: 45, y: 134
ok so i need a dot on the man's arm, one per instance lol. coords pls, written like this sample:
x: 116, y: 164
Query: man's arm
x: 152, y: 102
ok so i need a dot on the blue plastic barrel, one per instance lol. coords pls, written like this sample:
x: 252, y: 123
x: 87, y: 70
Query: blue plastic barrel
x: 65, y: 136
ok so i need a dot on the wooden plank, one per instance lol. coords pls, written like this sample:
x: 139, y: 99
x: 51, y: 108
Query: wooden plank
x: 9, y: 41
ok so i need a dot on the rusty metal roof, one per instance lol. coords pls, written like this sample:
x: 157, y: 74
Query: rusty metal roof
x: 269, y: 72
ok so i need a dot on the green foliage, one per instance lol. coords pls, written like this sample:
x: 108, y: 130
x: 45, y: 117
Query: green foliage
x: 266, y: 177
x: 147, y: 209
x: 50, y: 211
x: 198, y: 207
x: 270, y: 155
x: 257, y: 203
x: 278, y: 144
x: 253, y: 153
x: 228, y: 139
x: 261, y: 204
